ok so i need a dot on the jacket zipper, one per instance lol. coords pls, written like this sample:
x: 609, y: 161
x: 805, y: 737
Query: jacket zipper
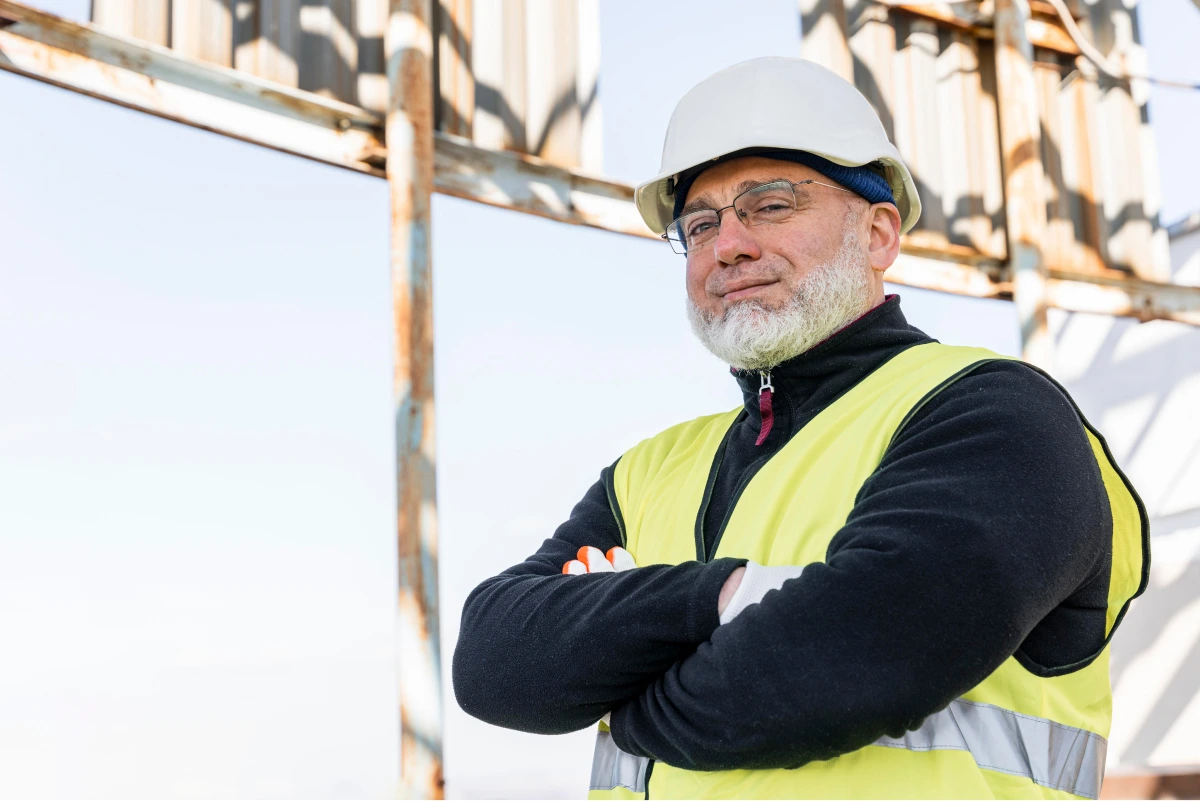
x: 766, y: 410
x: 703, y: 555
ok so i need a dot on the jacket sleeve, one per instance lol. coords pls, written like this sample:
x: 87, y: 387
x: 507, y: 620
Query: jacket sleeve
x: 547, y: 653
x: 986, y: 513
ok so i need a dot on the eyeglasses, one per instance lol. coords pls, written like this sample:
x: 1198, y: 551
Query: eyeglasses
x: 774, y: 202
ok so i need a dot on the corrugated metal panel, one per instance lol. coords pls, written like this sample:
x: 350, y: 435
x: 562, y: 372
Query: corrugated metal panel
x: 455, y: 111
x: 929, y: 70
x: 1135, y: 242
x: 872, y: 49
x: 533, y: 79
x: 499, y: 68
x: 328, y: 48
x: 978, y: 219
x: 551, y: 102
x: 203, y: 29
x: 934, y: 88
x: 371, y: 21
x: 530, y: 84
x: 917, y: 117
x: 142, y: 19
x: 587, y: 88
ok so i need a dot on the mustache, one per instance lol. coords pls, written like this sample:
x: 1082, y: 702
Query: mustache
x: 722, y: 283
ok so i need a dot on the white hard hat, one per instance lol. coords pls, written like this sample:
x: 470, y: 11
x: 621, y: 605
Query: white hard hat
x: 781, y: 103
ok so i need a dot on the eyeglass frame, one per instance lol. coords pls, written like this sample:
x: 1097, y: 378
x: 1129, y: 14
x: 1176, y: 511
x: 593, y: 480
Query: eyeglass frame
x: 733, y: 205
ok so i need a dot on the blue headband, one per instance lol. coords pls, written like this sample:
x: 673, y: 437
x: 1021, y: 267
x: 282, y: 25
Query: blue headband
x: 864, y: 181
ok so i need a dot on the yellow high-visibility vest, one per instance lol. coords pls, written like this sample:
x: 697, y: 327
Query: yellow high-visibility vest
x: 1014, y: 735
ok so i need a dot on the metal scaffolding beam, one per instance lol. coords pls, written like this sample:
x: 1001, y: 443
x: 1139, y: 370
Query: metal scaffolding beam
x: 158, y: 81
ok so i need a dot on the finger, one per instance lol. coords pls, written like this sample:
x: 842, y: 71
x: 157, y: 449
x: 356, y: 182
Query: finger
x: 620, y: 559
x: 575, y: 568
x: 594, y: 559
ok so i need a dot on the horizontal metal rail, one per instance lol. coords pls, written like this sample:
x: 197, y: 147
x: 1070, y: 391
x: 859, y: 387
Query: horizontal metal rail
x: 1123, y: 297
x: 153, y: 79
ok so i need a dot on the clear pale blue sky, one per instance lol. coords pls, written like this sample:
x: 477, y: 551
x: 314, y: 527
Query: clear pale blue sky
x: 195, y: 433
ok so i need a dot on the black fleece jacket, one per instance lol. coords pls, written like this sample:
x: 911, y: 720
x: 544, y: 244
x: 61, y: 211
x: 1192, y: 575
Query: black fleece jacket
x: 984, y: 533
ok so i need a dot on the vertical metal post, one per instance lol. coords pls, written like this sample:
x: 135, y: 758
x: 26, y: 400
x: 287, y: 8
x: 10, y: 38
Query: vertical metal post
x: 1024, y: 184
x: 408, y: 47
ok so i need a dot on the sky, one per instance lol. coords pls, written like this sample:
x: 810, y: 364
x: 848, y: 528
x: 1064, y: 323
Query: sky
x: 196, y: 498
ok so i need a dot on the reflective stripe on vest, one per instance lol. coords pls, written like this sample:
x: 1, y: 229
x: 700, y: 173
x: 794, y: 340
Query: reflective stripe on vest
x: 1043, y: 751
x: 612, y: 767
x: 1047, y: 753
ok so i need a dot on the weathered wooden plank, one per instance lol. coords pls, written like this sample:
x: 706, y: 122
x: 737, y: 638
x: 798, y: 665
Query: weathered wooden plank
x: 203, y: 30
x: 986, y: 137
x: 825, y: 35
x: 918, y: 128
x: 1120, y: 148
x: 327, y: 48
x: 1078, y: 193
x: 499, y: 66
x: 873, y: 52
x: 1058, y: 243
x: 969, y: 18
x: 587, y: 88
x: 148, y: 20
x: 454, y: 75
x: 1024, y: 180
x: 1123, y: 297
x: 954, y: 75
x: 370, y: 22
x: 274, y: 51
x: 552, y: 122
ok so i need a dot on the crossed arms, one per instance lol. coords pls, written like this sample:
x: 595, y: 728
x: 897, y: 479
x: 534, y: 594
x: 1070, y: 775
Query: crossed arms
x: 983, y: 534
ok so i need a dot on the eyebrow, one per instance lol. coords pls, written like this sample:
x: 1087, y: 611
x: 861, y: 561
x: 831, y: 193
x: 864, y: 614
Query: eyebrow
x: 706, y: 201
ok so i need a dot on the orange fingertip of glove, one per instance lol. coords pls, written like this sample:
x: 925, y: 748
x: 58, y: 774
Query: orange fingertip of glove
x: 620, y: 558
x: 574, y: 568
x: 594, y: 559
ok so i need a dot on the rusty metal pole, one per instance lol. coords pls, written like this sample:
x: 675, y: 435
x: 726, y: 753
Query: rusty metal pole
x: 408, y: 45
x: 1024, y: 182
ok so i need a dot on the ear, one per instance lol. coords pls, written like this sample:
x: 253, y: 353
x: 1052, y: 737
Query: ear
x: 884, y: 243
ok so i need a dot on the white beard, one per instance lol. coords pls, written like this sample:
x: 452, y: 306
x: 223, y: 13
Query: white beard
x: 749, y: 336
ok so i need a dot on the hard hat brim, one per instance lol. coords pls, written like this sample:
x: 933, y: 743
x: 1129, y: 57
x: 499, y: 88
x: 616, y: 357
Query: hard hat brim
x: 657, y: 205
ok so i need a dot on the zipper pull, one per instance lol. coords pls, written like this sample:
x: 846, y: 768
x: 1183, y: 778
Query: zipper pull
x: 766, y: 392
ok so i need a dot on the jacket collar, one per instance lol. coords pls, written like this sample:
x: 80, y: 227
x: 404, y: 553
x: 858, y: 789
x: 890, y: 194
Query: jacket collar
x: 857, y: 349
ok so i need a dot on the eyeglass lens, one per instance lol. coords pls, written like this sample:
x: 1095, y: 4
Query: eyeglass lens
x: 767, y: 203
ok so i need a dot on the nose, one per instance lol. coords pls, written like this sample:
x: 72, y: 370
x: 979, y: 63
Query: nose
x: 734, y: 243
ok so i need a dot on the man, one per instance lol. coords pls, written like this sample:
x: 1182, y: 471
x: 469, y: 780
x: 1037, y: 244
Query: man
x: 894, y: 572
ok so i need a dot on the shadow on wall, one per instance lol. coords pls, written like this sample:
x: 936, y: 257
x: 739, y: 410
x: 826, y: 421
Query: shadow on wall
x: 1140, y: 385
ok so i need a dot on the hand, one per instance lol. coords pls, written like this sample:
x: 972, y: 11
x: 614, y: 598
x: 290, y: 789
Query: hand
x: 747, y: 586
x: 591, y: 560
x: 730, y: 587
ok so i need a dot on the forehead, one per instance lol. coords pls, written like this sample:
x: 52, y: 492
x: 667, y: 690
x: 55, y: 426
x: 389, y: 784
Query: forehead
x: 720, y: 183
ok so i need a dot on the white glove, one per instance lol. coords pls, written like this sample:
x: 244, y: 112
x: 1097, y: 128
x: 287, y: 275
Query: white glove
x: 591, y: 560
x: 757, y: 581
